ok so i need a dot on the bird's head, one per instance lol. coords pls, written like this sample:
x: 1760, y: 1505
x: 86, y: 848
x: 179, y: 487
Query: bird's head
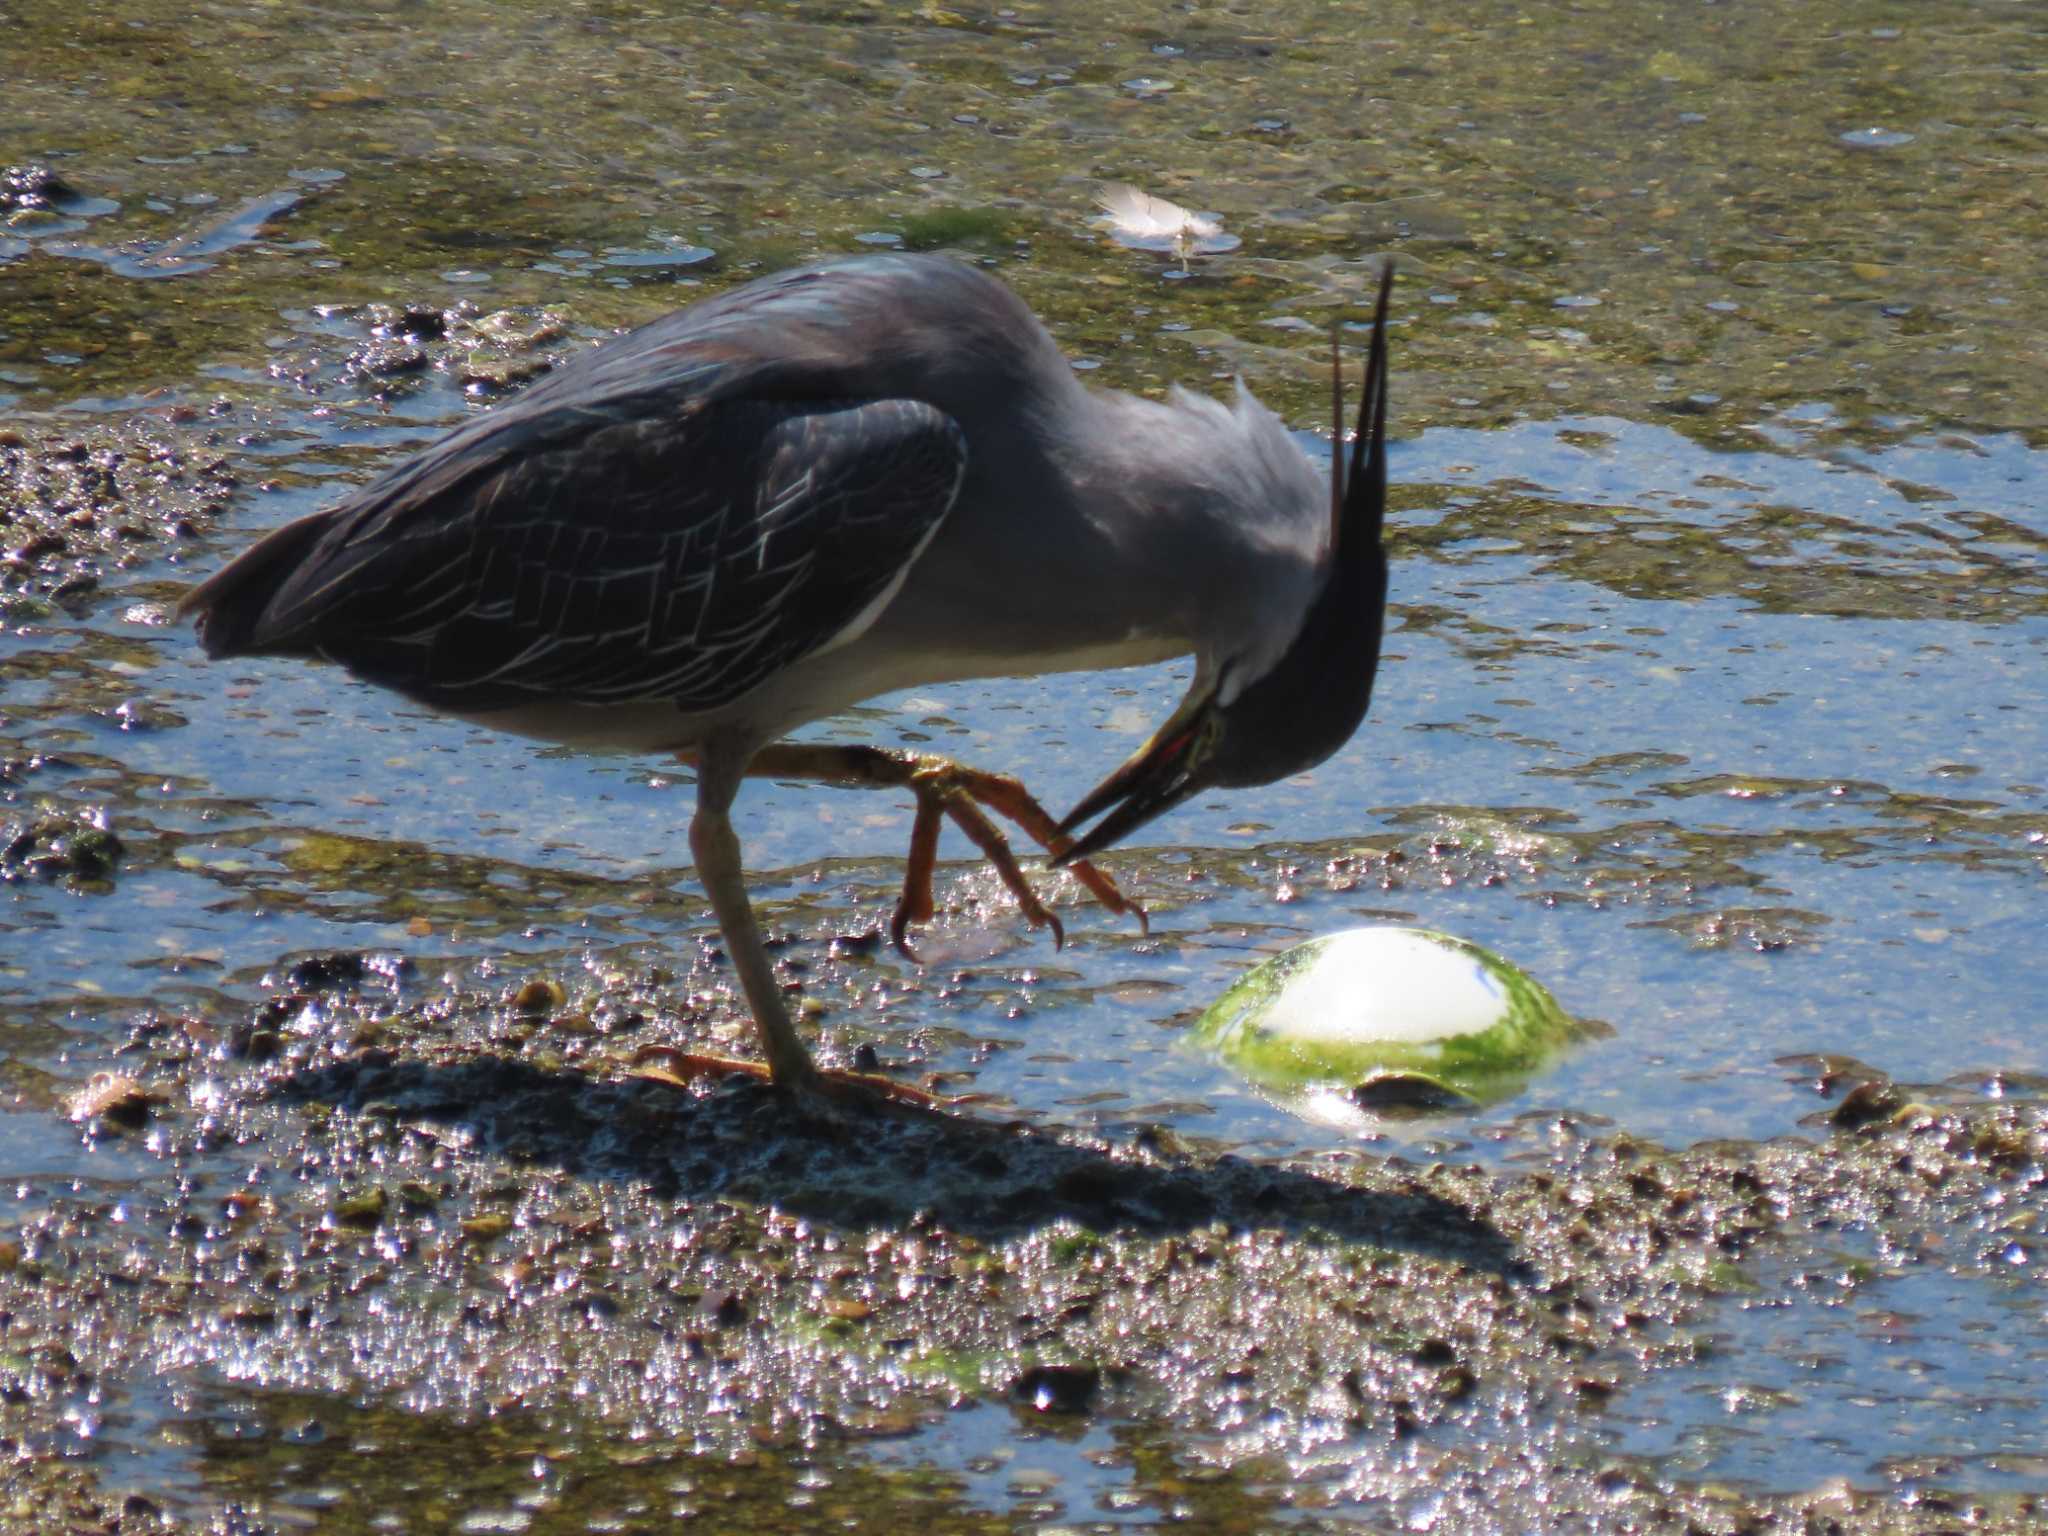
x: 1254, y: 723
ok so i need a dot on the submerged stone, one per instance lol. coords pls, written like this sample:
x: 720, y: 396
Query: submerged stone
x: 1065, y: 1389
x: 1395, y: 1018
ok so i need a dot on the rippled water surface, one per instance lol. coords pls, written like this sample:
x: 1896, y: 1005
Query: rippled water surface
x: 1716, y: 684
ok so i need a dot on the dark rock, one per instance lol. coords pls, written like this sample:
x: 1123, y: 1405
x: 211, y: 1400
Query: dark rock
x: 33, y: 186
x: 1057, y: 1388
x: 1407, y: 1093
x: 56, y: 847
x: 319, y: 973
x: 1867, y: 1103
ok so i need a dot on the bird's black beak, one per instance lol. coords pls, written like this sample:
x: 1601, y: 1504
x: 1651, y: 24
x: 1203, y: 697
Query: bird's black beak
x: 1152, y: 781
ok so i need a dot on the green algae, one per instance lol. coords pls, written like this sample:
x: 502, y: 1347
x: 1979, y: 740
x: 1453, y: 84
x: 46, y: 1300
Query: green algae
x: 954, y: 227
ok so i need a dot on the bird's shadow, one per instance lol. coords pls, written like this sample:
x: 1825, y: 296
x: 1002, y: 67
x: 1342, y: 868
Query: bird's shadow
x: 854, y: 1169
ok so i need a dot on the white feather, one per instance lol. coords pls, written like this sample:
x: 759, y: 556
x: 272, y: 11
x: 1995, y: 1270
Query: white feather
x: 1144, y: 217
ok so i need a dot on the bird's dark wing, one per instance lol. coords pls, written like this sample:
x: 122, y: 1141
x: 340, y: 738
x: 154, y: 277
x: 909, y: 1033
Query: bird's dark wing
x: 605, y: 557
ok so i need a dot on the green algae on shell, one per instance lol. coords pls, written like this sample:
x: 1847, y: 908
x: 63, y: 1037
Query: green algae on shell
x: 1405, y: 1017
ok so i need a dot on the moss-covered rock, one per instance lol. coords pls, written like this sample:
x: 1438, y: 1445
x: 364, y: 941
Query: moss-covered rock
x: 1370, y: 1008
x: 74, y: 847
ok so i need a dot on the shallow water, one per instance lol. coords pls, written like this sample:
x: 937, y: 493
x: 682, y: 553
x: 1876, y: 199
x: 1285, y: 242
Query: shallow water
x: 1866, y: 1377
x: 1714, y: 694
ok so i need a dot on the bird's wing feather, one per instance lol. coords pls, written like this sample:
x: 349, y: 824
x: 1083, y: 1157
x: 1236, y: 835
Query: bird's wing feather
x: 624, y: 557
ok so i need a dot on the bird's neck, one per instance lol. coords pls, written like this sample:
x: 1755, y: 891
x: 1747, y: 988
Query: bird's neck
x: 1098, y: 530
x: 1213, y: 516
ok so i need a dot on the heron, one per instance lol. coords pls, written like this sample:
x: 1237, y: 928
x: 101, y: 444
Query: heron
x: 831, y: 483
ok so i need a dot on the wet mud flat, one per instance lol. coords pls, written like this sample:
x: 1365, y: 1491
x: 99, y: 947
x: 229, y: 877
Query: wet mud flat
x: 399, y: 1249
x: 89, y: 495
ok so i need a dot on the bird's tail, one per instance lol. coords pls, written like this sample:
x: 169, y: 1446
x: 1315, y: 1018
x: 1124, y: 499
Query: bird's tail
x: 230, y: 603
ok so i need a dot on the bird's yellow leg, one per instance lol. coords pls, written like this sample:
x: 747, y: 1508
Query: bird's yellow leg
x: 717, y: 851
x: 788, y: 1064
x: 944, y: 788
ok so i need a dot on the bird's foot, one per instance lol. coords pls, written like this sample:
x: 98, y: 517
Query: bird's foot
x: 945, y: 791
x: 679, y: 1068
x: 945, y: 788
